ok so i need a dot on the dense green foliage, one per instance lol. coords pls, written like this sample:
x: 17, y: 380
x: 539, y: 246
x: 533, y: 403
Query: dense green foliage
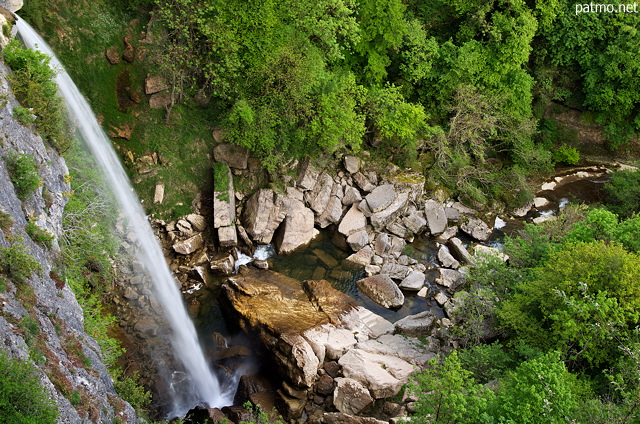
x: 23, y: 400
x: 16, y: 262
x: 39, y: 235
x: 565, y: 310
x: 33, y: 85
x: 24, y: 174
x: 623, y: 193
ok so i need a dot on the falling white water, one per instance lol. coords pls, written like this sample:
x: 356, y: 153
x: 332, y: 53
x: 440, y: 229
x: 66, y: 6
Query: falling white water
x: 206, y: 388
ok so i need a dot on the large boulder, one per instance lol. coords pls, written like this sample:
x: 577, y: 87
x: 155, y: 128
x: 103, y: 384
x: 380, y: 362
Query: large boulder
x: 407, y: 348
x: 11, y: 5
x: 446, y: 259
x: 307, y: 175
x: 414, y: 281
x: 450, y: 278
x: 353, y: 222
x: 350, y: 396
x: 190, y: 245
x: 318, y: 198
x: 459, y: 251
x: 421, y: 324
x: 224, y: 208
x: 435, y: 216
x: 279, y: 310
x: 383, y: 375
x: 396, y: 208
x: 476, y: 228
x: 297, y: 230
x: 382, y: 290
x: 381, y: 197
x: 234, y: 156
x: 263, y: 213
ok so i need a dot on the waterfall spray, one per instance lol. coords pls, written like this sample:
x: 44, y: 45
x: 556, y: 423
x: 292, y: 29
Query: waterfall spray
x: 186, y: 346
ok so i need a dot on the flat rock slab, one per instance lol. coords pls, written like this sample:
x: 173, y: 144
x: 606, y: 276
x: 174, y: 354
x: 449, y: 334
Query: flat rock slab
x: 382, y: 290
x: 421, y: 324
x: 383, y: 375
x: 406, y: 348
x: 459, y: 251
x: 326, y: 258
x: 387, y: 215
x: 381, y: 197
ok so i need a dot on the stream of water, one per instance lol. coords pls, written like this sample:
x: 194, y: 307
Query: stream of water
x: 204, y: 386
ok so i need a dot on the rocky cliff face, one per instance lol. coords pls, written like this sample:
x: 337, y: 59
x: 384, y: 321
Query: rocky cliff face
x: 68, y: 359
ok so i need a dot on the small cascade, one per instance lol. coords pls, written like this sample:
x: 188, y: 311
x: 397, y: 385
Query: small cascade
x: 202, y: 385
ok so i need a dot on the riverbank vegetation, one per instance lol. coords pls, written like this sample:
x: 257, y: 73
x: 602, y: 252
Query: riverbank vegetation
x: 550, y: 336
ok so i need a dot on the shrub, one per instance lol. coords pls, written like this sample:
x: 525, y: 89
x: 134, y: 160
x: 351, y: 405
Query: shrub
x: 566, y: 154
x: 221, y: 180
x: 6, y: 221
x: 24, y: 174
x: 33, y: 85
x: 623, y: 193
x: 23, y: 115
x: 17, y: 263
x: 132, y: 392
x: 22, y: 399
x: 39, y: 235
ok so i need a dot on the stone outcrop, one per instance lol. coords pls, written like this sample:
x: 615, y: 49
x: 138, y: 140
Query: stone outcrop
x: 382, y: 290
x: 234, y: 156
x: 435, y: 216
x: 297, y: 229
x: 350, y: 396
x: 263, y: 213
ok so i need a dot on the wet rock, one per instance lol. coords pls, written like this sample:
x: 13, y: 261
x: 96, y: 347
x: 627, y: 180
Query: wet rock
x: 223, y: 264
x: 351, y: 164
x: 290, y: 407
x: 476, y: 228
x: 297, y: 229
x: 382, y: 290
x: 189, y: 245
x: 237, y: 414
x: 279, y: 310
x: 325, y: 258
x: 421, y: 324
x: 435, y: 216
x: 446, y: 259
x: 155, y: 84
x: 414, y: 281
x: 113, y: 55
x: 260, y: 264
x: 382, y: 375
x: 200, y: 414
x: 325, y: 384
x: 351, y: 397
x: 459, y: 251
x: 234, y: 156
x: 250, y: 384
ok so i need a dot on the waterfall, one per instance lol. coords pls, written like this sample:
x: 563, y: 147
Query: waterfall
x: 186, y: 346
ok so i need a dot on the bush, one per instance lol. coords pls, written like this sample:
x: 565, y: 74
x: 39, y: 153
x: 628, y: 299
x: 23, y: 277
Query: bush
x: 39, y: 235
x: 129, y: 389
x: 17, y: 263
x: 33, y: 85
x: 24, y: 174
x: 566, y: 154
x: 221, y: 180
x: 23, y: 115
x: 22, y: 399
x: 623, y: 193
